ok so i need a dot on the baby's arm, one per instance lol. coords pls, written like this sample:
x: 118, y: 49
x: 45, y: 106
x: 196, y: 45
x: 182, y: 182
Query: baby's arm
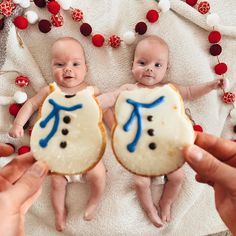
x: 26, y: 112
x: 196, y: 91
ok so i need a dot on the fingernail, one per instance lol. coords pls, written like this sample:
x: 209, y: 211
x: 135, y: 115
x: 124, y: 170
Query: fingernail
x: 195, y: 153
x: 38, y: 169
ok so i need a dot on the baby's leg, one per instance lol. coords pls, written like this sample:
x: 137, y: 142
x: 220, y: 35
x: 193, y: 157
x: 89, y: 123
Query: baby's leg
x: 58, y: 193
x: 97, y: 179
x: 170, y: 192
x: 143, y: 190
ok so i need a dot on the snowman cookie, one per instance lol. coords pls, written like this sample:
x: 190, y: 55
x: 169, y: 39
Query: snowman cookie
x: 69, y: 136
x: 151, y: 130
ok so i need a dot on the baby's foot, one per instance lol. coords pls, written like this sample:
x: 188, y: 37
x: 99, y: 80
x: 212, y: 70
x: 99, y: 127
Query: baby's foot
x: 60, y: 221
x: 90, y: 212
x: 155, y: 219
x: 165, y: 212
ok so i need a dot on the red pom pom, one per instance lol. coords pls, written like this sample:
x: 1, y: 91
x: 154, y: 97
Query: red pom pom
x: 198, y: 128
x: 23, y: 149
x: 220, y: 68
x: 215, y: 50
x: 57, y: 20
x: 22, y: 81
x: 44, y: 26
x: 53, y: 7
x: 1, y: 24
x: 203, y: 7
x: 14, y: 109
x: 40, y: 3
x: 191, y: 2
x: 21, y: 22
x: 85, y: 29
x: 141, y: 28
x: 7, y: 7
x: 98, y: 40
x: 152, y: 16
x: 228, y: 98
x: 77, y: 15
x: 114, y: 41
x: 214, y: 37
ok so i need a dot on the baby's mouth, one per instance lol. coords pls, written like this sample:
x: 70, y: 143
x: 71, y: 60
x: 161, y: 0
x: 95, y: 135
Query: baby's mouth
x: 68, y: 77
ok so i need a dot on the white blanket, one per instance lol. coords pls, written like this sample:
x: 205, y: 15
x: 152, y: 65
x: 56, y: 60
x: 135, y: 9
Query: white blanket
x: 186, y: 32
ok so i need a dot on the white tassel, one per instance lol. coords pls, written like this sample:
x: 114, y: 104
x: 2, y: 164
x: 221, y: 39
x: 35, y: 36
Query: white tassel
x: 164, y: 5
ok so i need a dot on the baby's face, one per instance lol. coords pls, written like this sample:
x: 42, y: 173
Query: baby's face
x: 68, y: 63
x: 150, y: 62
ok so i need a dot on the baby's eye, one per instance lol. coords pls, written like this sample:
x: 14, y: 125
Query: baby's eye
x: 141, y: 63
x: 157, y: 65
x: 76, y: 64
x: 59, y: 64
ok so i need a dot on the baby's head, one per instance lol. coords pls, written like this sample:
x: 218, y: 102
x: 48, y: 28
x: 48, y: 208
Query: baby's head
x: 150, y: 60
x: 68, y: 62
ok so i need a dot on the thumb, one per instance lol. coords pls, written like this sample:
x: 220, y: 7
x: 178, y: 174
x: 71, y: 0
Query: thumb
x: 28, y: 184
x: 209, y: 167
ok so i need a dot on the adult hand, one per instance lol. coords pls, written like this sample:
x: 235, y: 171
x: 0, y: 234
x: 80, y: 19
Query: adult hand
x: 20, y: 185
x: 214, y: 160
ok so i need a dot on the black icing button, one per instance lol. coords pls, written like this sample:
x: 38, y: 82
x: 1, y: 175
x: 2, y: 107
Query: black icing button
x: 64, y: 131
x: 63, y: 144
x: 152, y: 146
x: 150, y: 132
x: 66, y: 119
x: 69, y: 96
x: 149, y: 118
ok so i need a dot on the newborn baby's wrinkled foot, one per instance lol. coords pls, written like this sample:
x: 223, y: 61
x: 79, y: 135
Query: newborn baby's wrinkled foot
x: 90, y: 212
x: 165, y: 212
x: 60, y: 221
x: 155, y: 219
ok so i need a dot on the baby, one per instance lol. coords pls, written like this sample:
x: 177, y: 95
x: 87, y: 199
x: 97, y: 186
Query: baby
x: 149, y: 68
x: 69, y: 70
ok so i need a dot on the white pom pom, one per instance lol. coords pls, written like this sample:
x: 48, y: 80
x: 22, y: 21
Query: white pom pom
x: 164, y: 5
x: 226, y: 84
x: 213, y: 20
x: 25, y: 3
x: 233, y: 113
x: 65, y: 4
x: 20, y: 97
x: 17, y: 1
x: 129, y: 37
x: 32, y: 16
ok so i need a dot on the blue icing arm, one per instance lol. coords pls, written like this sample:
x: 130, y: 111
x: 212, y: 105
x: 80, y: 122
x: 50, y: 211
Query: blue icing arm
x: 137, y: 113
x: 54, y: 114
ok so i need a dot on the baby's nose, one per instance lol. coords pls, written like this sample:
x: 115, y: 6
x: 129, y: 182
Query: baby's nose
x: 67, y: 69
x: 149, y: 68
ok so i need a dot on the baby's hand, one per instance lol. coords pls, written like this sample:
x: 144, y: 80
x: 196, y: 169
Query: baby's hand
x: 16, y: 131
x: 219, y: 83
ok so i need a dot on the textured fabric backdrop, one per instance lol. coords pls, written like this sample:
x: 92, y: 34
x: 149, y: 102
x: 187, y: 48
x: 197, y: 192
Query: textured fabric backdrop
x: 186, y: 32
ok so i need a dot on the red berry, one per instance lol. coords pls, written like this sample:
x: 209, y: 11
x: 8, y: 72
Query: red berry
x: 85, y: 29
x: 198, y: 128
x: 23, y: 149
x: 21, y: 22
x: 203, y: 7
x: 14, y: 109
x: 98, y: 40
x: 191, y: 2
x: 220, y: 68
x: 114, y: 41
x: 214, y: 37
x: 40, y: 3
x: 53, y: 7
x: 152, y: 16
x: 215, y: 50
x: 141, y: 28
x: 44, y: 26
x: 77, y: 15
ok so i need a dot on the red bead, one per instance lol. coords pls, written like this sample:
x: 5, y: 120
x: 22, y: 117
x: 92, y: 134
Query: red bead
x: 114, y: 41
x: 220, y: 68
x: 57, y: 20
x: 152, y: 16
x: 14, y: 109
x: 40, y: 3
x: 77, y: 15
x: 203, y: 7
x: 198, y: 128
x: 191, y: 2
x: 228, y: 98
x: 214, y: 37
x: 23, y: 149
x: 98, y: 40
x: 141, y: 28
x: 215, y: 50
x: 53, y: 7
x: 44, y: 26
x: 1, y: 24
x: 21, y: 22
x: 7, y: 7
x: 85, y: 29
x: 22, y: 81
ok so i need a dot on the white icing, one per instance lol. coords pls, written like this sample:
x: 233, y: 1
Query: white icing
x: 172, y: 129
x: 85, y: 140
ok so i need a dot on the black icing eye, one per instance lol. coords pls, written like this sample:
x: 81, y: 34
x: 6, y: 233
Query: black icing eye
x: 150, y: 132
x: 65, y: 131
x: 63, y: 144
x: 149, y: 118
x: 152, y: 146
x: 66, y: 119
x: 69, y: 96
